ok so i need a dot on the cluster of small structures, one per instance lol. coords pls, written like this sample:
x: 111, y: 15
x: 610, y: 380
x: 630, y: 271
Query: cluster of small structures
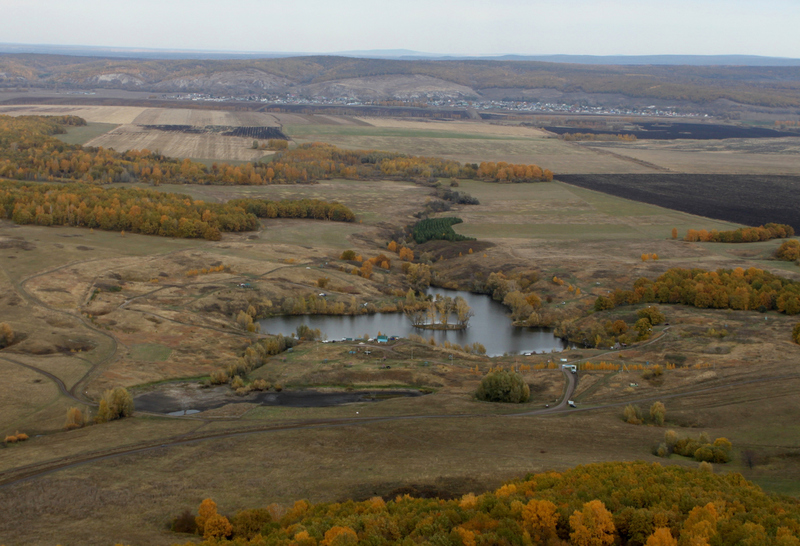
x: 291, y: 99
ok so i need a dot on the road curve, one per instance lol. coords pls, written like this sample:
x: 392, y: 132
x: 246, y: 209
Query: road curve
x: 60, y: 384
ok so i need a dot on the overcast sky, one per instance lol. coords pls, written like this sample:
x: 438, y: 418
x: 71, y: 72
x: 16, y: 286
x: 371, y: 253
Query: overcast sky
x: 466, y: 27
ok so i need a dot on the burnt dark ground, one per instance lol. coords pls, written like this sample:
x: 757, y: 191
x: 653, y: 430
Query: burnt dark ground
x: 160, y: 402
x: 263, y: 133
x: 751, y: 200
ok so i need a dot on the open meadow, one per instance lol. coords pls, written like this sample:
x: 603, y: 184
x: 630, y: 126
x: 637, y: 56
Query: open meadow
x: 93, y: 310
x: 754, y: 156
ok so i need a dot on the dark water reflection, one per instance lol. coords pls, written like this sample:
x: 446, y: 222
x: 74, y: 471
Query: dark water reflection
x: 490, y: 326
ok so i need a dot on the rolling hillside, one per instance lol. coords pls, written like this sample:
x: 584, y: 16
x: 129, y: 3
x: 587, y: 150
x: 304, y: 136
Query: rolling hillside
x: 765, y: 86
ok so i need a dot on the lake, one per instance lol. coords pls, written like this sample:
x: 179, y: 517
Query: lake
x: 490, y: 326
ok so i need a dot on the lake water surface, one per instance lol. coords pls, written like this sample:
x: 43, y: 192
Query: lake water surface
x: 490, y: 326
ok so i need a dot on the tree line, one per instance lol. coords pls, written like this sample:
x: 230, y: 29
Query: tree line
x: 117, y: 209
x: 742, y: 289
x: 149, y: 212
x: 317, y: 161
x: 741, y: 235
x: 596, y: 504
x: 29, y: 150
x: 296, y: 208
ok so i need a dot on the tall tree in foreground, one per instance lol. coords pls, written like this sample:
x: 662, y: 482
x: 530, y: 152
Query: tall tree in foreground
x: 592, y: 526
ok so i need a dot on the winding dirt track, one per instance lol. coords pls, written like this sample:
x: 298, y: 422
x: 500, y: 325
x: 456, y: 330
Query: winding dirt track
x: 30, y: 472
x: 60, y: 384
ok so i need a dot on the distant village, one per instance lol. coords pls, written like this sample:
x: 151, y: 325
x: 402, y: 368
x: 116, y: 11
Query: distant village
x: 505, y: 106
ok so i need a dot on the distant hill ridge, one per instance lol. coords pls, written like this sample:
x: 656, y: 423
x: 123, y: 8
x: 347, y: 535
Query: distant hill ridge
x: 770, y: 86
x: 401, y: 54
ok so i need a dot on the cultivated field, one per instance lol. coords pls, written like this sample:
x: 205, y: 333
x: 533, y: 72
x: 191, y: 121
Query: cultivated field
x: 468, y: 142
x: 177, y: 144
x: 747, y: 199
x: 123, y: 128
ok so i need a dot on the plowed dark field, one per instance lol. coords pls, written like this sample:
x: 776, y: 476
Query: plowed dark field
x: 677, y: 131
x: 743, y: 199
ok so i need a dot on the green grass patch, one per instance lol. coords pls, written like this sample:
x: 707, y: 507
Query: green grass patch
x: 432, y: 229
x: 779, y: 485
x: 150, y: 352
x: 306, y: 232
x: 83, y: 134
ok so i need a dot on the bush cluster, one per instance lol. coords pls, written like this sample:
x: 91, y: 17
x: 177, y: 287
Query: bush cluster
x: 254, y: 356
x: 633, y: 415
x: 789, y: 251
x: 503, y: 386
x: 701, y: 449
x: 115, y: 404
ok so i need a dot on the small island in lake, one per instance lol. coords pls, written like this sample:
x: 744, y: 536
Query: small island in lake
x: 438, y: 313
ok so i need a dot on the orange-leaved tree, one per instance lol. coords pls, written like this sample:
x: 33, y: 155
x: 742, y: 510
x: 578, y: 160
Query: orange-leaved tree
x: 74, y: 419
x: 217, y: 526
x: 700, y: 526
x: 661, y: 537
x: 339, y: 536
x: 208, y: 508
x: 592, y: 526
x: 539, y: 519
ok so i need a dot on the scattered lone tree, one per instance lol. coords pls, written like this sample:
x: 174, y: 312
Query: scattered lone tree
x: 657, y: 413
x: 6, y: 335
x: 74, y: 419
x: 632, y: 414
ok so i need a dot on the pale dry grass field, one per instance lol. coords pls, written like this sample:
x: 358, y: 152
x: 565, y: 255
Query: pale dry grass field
x: 491, y: 143
x: 730, y: 156
x: 316, y: 119
x: 118, y: 115
x: 202, y: 118
x: 473, y: 127
x: 557, y: 211
x: 27, y: 396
